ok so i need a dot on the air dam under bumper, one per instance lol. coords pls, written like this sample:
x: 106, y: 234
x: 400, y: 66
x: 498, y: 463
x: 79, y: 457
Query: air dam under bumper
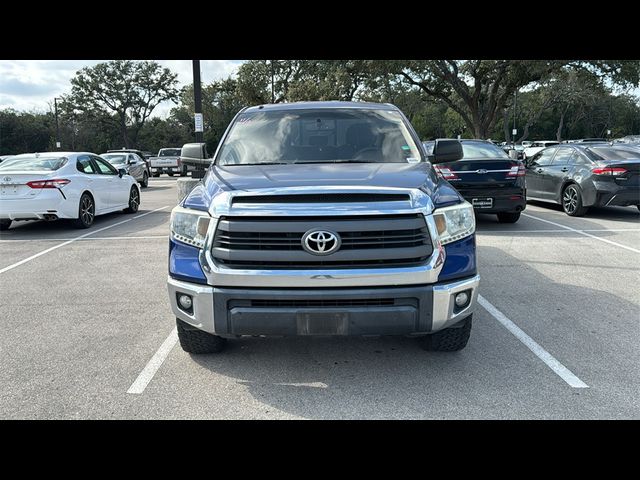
x: 407, y: 310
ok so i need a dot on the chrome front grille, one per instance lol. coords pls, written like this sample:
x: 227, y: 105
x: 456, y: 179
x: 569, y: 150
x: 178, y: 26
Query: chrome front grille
x: 367, y: 241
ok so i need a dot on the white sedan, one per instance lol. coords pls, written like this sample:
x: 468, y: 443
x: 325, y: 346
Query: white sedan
x: 53, y: 185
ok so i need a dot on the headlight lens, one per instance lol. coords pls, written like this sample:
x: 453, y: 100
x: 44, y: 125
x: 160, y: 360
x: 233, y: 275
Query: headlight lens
x: 189, y: 226
x: 455, y: 222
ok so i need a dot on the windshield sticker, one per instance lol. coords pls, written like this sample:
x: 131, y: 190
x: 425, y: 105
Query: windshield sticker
x: 413, y: 160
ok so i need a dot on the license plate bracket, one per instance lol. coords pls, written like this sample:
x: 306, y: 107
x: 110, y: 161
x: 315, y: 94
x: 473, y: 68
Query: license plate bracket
x: 8, y: 189
x: 322, y: 323
x: 482, y: 202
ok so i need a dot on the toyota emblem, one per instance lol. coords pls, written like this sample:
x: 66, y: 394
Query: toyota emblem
x: 320, y: 242
x: 6, y: 179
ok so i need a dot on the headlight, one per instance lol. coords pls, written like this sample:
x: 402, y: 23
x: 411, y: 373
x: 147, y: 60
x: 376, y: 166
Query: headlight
x: 189, y: 226
x: 455, y: 222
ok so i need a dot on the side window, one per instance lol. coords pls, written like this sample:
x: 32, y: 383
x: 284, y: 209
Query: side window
x: 132, y: 158
x: 84, y: 165
x: 578, y: 159
x: 104, y: 168
x: 545, y: 157
x: 563, y: 156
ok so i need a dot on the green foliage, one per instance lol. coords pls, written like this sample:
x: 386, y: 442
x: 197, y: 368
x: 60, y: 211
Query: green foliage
x: 109, y: 105
x: 121, y: 93
x: 22, y: 132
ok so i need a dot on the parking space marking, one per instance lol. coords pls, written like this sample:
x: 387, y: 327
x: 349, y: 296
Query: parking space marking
x: 55, y: 247
x: 582, y: 232
x: 147, y: 373
x: 559, y: 369
x: 147, y: 237
x: 563, y: 231
x: 152, y: 211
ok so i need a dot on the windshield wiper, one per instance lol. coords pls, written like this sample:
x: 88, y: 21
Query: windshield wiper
x: 254, y: 164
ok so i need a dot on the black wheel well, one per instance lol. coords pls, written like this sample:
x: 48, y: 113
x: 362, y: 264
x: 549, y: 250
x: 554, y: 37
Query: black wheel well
x: 90, y: 194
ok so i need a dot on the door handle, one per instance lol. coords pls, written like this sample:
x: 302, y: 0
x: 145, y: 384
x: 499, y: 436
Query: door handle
x: 565, y: 169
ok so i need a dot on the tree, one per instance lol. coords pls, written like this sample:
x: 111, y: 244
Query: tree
x: 122, y: 93
x: 480, y: 90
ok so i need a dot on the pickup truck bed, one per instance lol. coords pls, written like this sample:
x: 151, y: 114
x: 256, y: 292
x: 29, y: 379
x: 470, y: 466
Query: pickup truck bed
x: 166, y: 164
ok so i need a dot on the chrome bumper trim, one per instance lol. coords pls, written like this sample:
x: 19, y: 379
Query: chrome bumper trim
x: 443, y: 303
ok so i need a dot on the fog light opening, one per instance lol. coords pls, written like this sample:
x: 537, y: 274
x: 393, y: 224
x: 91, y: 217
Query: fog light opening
x: 185, y: 302
x: 462, y: 298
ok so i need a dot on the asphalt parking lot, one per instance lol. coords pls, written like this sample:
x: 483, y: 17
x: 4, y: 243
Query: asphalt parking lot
x: 88, y: 332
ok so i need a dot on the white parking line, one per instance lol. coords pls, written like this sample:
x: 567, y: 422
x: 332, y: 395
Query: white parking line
x: 152, y: 211
x: 146, y: 237
x: 563, y: 231
x: 582, y: 232
x: 55, y: 247
x: 154, y: 364
x: 559, y: 369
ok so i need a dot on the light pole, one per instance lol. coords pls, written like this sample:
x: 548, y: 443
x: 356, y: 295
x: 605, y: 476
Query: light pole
x: 197, y: 100
x: 514, y: 132
x: 55, y: 103
x: 273, y: 93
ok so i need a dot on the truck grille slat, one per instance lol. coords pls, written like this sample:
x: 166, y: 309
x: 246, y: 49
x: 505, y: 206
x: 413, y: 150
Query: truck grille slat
x: 396, y: 240
x: 322, y: 198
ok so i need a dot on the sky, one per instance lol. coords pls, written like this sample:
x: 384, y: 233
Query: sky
x: 28, y: 85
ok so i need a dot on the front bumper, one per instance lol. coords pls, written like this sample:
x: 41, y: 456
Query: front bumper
x: 407, y: 310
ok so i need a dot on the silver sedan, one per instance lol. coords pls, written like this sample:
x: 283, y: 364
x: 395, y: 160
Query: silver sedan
x: 132, y: 163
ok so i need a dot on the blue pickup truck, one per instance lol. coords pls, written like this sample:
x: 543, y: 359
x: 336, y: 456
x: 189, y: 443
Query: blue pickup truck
x: 323, y: 218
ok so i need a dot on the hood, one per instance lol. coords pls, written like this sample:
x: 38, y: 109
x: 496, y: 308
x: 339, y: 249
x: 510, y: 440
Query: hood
x: 253, y: 177
x: 249, y: 177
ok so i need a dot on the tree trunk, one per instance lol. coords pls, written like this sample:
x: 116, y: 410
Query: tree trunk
x: 560, y: 125
x: 505, y: 124
x: 125, y: 136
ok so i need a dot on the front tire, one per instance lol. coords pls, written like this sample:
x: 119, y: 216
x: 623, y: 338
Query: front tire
x: 145, y: 180
x: 134, y: 200
x: 5, y: 224
x: 450, y: 339
x: 170, y: 174
x: 508, y: 217
x: 86, y: 212
x: 198, y: 342
x: 572, y: 201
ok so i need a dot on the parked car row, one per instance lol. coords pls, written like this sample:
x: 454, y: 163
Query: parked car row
x: 576, y: 175
x: 64, y: 185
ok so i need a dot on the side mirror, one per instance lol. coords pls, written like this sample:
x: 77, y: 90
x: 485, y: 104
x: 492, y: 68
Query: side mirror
x: 121, y: 172
x: 446, y: 150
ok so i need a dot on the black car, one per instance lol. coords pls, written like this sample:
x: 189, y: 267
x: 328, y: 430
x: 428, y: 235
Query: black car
x: 487, y: 178
x: 580, y: 175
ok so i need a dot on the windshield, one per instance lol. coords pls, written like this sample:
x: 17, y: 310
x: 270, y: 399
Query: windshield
x: 479, y: 151
x: 613, y: 153
x: 318, y: 136
x: 115, y: 158
x: 169, y: 152
x: 32, y: 163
